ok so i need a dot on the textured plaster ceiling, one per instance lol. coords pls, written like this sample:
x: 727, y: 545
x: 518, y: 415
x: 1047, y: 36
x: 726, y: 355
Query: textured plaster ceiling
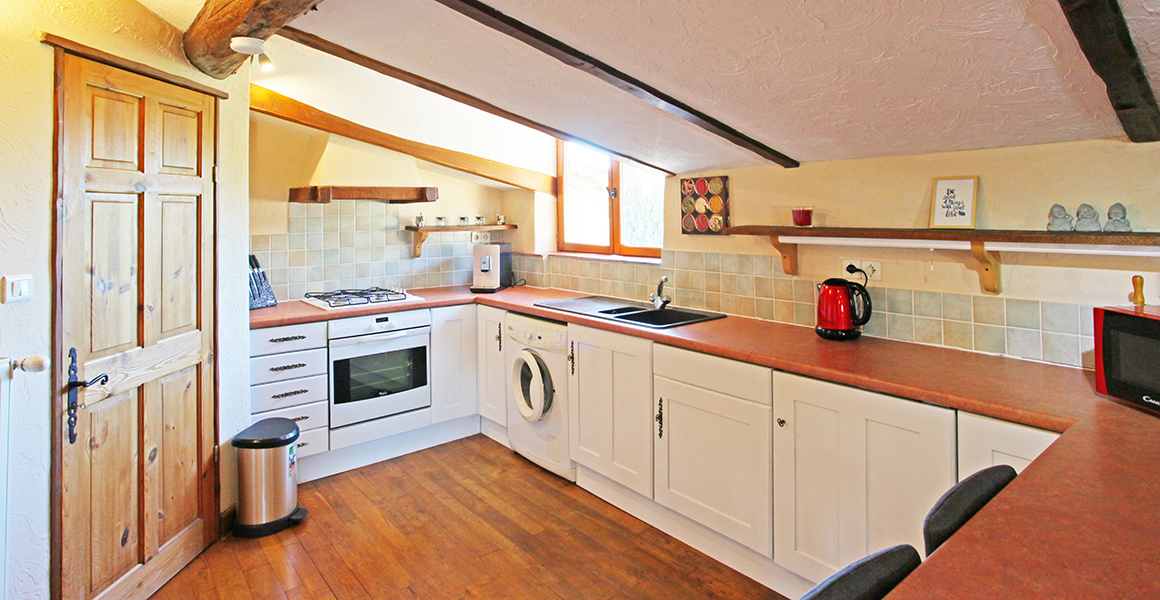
x: 817, y: 80
x: 1143, y: 17
x: 179, y: 13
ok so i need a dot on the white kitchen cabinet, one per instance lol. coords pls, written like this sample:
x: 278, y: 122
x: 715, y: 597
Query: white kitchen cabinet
x: 986, y: 442
x: 610, y: 404
x: 492, y: 375
x: 713, y: 454
x: 855, y: 472
x: 453, y: 363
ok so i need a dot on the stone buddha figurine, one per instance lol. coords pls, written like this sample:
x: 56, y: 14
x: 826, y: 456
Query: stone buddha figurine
x: 1058, y: 219
x: 1118, y: 219
x: 1087, y: 219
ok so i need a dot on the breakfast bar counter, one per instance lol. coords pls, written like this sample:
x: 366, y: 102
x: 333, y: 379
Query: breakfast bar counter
x: 1082, y: 521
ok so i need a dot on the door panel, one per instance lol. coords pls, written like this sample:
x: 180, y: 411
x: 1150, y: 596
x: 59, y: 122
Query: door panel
x: 178, y: 457
x: 713, y: 461
x: 181, y: 141
x: 493, y: 371
x: 611, y: 406
x: 137, y: 496
x: 856, y: 472
x: 114, y: 273
x: 116, y: 127
x: 113, y: 456
x: 178, y: 264
x: 453, y: 363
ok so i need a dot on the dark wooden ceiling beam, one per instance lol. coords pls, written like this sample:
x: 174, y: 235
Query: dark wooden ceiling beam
x: 1103, y: 35
x: 574, y: 58
x: 207, y: 41
x: 322, y: 45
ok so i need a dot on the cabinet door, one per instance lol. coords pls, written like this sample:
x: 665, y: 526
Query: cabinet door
x: 453, y: 364
x: 713, y: 461
x: 986, y: 442
x: 492, y: 376
x: 856, y: 472
x: 610, y: 402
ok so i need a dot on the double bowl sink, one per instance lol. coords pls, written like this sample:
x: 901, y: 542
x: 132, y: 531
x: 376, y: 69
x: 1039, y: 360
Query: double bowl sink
x: 630, y: 311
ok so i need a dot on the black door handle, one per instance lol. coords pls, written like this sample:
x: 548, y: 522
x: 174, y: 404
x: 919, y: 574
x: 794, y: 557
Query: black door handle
x: 74, y: 385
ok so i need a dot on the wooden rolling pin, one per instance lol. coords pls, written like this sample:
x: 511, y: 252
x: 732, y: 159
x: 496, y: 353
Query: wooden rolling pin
x: 1138, y: 295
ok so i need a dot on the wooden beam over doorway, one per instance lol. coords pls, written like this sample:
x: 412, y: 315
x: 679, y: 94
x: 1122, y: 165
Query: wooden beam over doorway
x: 207, y: 41
x: 1103, y: 35
x: 572, y: 57
x: 274, y: 104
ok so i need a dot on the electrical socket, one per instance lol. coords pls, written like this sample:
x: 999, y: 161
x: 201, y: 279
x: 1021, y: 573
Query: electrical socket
x: 872, y: 268
x: 480, y: 237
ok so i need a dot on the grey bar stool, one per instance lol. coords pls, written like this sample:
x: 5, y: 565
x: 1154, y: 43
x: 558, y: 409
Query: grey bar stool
x: 870, y: 578
x: 961, y: 502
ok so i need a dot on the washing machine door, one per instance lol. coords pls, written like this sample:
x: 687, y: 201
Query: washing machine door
x: 532, y: 385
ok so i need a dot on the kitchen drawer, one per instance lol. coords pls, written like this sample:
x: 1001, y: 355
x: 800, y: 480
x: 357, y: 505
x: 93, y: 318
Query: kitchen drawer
x: 291, y: 365
x: 722, y: 375
x: 290, y: 338
x: 292, y: 392
x: 315, y: 441
x: 307, y: 416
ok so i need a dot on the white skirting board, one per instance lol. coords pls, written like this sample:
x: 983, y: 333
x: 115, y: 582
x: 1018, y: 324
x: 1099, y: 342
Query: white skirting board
x: 360, y: 455
x: 701, y: 538
x: 494, y: 431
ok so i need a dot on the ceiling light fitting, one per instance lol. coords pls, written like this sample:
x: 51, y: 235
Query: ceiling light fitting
x: 248, y: 45
x: 265, y: 63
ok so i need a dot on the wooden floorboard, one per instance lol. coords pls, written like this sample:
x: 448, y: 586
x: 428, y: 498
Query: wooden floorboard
x: 465, y: 520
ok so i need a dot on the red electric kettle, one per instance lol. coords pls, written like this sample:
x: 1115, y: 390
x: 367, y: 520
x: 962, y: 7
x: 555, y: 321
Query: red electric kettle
x: 838, y: 314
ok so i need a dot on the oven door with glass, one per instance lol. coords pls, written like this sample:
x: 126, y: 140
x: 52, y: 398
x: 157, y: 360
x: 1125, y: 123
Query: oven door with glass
x: 379, y: 375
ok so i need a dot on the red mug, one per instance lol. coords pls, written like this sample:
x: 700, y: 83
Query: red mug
x: 803, y: 216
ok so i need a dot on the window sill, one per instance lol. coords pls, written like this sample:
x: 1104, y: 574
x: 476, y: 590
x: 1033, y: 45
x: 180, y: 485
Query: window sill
x: 643, y: 260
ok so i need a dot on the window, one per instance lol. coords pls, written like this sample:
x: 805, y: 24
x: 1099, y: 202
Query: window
x: 608, y: 206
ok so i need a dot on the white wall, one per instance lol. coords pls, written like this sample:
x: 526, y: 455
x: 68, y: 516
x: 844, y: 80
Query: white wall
x: 124, y: 28
x: 380, y: 102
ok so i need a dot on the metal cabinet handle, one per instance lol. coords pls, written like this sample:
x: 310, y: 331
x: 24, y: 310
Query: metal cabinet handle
x: 781, y: 422
x: 499, y: 335
x: 572, y: 356
x: 660, y: 418
x: 288, y: 394
x: 289, y: 338
x: 288, y: 367
x: 302, y: 418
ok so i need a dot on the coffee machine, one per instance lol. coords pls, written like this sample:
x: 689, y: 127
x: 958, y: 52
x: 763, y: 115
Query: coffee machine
x: 492, y: 267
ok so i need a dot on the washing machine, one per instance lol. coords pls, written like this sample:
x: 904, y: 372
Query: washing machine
x: 536, y: 356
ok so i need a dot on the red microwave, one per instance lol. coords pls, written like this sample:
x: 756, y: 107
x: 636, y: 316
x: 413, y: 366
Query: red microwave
x: 1128, y: 354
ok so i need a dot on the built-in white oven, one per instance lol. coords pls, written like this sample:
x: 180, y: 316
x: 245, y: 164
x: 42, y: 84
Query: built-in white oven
x: 380, y: 365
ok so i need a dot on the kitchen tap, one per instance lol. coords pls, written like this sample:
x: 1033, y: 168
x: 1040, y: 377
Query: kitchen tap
x: 658, y: 299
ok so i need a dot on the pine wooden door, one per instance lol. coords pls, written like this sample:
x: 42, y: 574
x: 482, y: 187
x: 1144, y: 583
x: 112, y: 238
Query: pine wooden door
x: 137, y: 498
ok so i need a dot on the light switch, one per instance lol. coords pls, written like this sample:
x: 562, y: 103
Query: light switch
x: 16, y: 288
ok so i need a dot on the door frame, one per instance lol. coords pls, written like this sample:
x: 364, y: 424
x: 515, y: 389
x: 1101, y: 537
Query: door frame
x: 61, y: 47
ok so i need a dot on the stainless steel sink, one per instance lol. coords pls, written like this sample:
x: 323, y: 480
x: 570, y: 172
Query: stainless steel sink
x: 631, y: 312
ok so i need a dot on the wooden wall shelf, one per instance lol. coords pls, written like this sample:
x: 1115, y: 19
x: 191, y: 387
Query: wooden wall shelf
x: 980, y: 242
x: 421, y: 233
x: 318, y: 194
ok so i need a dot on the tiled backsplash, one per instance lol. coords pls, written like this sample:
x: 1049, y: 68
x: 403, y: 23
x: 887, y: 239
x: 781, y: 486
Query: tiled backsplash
x: 756, y: 286
x: 357, y: 243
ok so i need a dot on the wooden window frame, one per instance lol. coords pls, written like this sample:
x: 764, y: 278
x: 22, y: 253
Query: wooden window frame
x: 614, y: 247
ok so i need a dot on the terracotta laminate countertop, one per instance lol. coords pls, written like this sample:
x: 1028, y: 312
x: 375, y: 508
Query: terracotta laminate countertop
x: 1082, y: 521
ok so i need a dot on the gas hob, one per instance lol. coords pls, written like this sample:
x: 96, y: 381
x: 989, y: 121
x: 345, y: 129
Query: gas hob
x: 340, y: 299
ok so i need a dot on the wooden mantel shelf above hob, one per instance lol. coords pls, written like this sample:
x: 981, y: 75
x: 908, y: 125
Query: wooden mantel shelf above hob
x: 982, y: 243
x: 319, y: 194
